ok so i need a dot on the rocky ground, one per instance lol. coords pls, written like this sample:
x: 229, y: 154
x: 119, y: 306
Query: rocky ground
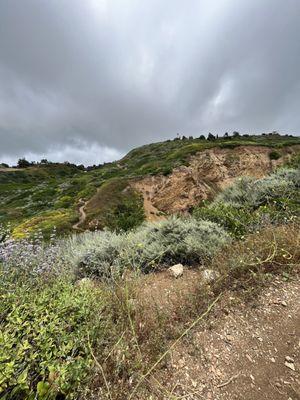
x: 246, y: 351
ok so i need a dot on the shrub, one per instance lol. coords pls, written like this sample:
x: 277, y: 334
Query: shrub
x: 32, y: 259
x: 175, y: 240
x: 234, y: 220
x: 165, y: 243
x: 250, y: 204
x: 44, y: 339
x: 248, y: 192
x: 274, y: 155
x: 239, y: 195
x: 96, y: 253
x: 127, y: 215
x: 273, y: 250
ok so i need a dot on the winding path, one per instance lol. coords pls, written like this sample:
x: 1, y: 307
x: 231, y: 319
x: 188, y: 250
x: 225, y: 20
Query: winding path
x: 82, y: 215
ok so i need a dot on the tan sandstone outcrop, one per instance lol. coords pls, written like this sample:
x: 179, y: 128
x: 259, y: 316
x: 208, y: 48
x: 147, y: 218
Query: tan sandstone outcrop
x: 208, y: 172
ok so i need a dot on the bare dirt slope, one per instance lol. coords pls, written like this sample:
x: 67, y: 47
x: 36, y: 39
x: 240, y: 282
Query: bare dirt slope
x: 208, y: 172
x: 244, y: 352
x: 147, y: 188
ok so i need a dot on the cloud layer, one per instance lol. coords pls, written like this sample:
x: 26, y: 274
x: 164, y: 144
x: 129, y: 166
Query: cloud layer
x: 88, y: 80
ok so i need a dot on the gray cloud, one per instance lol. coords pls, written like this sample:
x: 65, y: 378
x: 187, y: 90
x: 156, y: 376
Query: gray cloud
x: 103, y: 76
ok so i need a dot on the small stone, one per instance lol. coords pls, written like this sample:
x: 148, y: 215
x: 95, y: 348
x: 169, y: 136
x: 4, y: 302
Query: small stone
x: 209, y: 275
x: 290, y: 365
x: 230, y: 338
x: 283, y: 303
x: 249, y: 358
x: 176, y: 270
x: 272, y: 359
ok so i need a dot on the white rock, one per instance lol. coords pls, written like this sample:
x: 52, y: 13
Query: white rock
x: 209, y: 275
x: 289, y: 359
x: 290, y: 365
x: 176, y: 270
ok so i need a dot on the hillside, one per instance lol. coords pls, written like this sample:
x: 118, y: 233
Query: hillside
x: 149, y: 182
x: 182, y: 306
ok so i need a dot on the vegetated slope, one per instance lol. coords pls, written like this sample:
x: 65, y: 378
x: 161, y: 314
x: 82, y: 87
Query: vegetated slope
x: 48, y: 196
x: 118, y: 334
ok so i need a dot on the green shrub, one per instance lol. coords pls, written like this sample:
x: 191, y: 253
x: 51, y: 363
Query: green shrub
x: 127, y: 215
x: 248, y: 192
x: 44, y: 339
x: 115, y: 206
x: 64, y: 202
x: 274, y: 155
x: 234, y: 220
x: 250, y: 204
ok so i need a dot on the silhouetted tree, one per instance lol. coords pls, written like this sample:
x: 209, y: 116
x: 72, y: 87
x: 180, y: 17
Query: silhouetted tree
x: 4, y: 165
x: 23, y: 163
x: 211, y: 136
x: 236, y: 134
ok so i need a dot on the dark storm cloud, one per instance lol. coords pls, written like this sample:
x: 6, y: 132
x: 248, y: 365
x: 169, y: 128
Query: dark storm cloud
x: 87, y: 80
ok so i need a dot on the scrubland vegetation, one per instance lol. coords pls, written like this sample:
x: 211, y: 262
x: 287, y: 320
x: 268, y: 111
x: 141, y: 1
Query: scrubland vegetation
x: 44, y: 196
x: 74, y: 322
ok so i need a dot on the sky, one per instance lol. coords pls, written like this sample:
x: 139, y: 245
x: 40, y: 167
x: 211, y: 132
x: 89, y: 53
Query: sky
x: 88, y: 80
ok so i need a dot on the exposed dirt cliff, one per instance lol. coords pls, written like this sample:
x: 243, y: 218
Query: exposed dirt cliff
x: 207, y: 173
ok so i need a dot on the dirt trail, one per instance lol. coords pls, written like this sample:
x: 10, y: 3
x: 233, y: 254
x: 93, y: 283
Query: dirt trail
x: 82, y: 215
x: 244, y: 352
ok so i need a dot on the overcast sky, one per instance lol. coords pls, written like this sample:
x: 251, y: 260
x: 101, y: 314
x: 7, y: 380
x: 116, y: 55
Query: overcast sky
x: 87, y: 80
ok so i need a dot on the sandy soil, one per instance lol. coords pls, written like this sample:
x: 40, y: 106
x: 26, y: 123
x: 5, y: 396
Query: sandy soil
x: 246, y: 351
